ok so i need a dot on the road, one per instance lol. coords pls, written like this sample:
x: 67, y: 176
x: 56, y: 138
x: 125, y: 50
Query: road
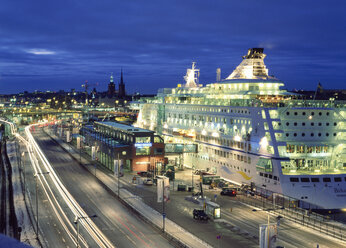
x: 120, y: 225
x: 239, y: 226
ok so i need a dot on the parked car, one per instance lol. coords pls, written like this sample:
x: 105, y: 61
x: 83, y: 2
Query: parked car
x: 144, y: 174
x: 229, y: 192
x: 200, y: 214
x: 148, y: 181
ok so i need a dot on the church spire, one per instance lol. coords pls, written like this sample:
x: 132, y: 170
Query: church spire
x: 121, y: 86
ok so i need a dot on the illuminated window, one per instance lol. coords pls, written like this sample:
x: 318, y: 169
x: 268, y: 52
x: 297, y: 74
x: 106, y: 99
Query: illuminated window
x: 326, y: 179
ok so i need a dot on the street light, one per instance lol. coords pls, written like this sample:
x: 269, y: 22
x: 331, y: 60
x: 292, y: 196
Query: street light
x: 76, y: 221
x: 118, y: 169
x: 268, y: 223
x: 192, y: 171
x: 36, y: 176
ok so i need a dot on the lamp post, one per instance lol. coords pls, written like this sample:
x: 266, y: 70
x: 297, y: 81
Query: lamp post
x: 76, y: 221
x: 123, y: 153
x: 193, y: 168
x: 36, y: 176
x: 268, y: 222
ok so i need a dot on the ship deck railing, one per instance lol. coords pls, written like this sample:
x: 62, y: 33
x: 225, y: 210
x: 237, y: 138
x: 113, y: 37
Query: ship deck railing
x: 288, y: 103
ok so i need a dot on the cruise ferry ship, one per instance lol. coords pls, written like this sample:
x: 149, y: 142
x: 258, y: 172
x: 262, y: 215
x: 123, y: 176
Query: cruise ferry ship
x: 249, y: 130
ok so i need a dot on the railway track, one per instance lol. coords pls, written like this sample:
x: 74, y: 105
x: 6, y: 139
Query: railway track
x: 8, y: 218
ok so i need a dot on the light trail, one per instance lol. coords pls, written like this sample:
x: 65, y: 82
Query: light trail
x: 34, y: 151
x: 87, y: 223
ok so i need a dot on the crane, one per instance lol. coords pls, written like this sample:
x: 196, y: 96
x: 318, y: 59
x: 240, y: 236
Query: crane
x: 86, y: 85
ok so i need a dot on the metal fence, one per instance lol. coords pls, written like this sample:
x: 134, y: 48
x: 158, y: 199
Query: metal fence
x: 288, y: 208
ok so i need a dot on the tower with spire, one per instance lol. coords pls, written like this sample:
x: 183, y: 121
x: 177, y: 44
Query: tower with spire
x: 122, y: 93
x: 111, y: 87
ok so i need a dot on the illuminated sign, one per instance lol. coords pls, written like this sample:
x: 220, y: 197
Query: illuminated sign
x: 143, y: 144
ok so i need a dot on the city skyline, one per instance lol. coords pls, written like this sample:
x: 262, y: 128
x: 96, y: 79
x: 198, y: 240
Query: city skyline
x: 58, y: 45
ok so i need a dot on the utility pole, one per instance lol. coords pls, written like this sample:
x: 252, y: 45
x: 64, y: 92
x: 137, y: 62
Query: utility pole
x: 118, y: 174
x: 163, y: 205
x: 36, y: 176
x: 76, y: 221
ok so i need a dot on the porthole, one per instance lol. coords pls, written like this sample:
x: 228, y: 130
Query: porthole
x: 295, y: 123
x: 279, y: 123
x: 327, y: 123
x: 335, y: 123
x: 327, y: 134
x: 312, y: 134
x: 287, y: 123
x: 295, y: 113
x: 303, y: 134
x: 320, y: 113
x: 287, y: 113
x: 319, y: 134
x: 287, y: 135
x: 303, y: 113
x: 327, y: 113
x: 320, y: 124
x: 334, y: 134
x: 295, y: 134
x: 303, y: 124
x: 312, y: 124
x: 312, y: 113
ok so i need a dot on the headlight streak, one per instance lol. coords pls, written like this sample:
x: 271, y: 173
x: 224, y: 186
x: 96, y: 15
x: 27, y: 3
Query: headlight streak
x: 88, y: 224
x: 32, y: 148
x: 36, y: 167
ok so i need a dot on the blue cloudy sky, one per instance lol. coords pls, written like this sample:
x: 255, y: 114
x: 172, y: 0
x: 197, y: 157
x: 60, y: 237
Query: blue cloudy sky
x: 52, y: 45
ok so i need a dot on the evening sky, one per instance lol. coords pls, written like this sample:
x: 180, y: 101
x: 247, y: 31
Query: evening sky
x: 53, y: 45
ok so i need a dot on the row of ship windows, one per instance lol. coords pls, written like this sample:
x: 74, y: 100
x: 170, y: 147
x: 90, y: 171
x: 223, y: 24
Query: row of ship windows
x: 225, y: 142
x: 315, y: 179
x: 224, y: 164
x: 307, y: 149
x: 312, y: 124
x: 222, y: 110
x: 270, y: 176
x: 304, y: 113
x: 207, y: 118
x: 311, y: 134
x: 233, y: 156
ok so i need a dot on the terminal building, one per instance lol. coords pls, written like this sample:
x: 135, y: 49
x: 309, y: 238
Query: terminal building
x: 135, y: 149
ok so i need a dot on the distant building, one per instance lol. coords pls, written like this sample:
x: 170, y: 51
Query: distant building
x: 122, y: 92
x: 323, y: 94
x: 111, y: 88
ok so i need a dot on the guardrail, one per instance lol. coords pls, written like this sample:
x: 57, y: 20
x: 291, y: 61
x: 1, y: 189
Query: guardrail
x: 303, y: 217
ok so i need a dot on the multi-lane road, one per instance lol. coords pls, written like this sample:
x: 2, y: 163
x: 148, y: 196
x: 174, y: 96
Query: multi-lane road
x: 123, y: 228
x: 119, y: 225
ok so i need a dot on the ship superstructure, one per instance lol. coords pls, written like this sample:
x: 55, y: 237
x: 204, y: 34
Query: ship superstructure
x: 249, y: 130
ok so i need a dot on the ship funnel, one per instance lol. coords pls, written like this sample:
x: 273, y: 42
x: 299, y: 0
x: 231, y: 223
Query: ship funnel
x: 218, y: 74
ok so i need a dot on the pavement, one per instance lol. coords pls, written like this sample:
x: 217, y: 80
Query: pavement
x: 173, y: 231
x: 179, y: 224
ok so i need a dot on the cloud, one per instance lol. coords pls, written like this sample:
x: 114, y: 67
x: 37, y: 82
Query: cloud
x: 67, y: 42
x: 40, y: 52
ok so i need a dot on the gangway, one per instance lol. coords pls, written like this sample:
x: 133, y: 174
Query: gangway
x: 178, y: 148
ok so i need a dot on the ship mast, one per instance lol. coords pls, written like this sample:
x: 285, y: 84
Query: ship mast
x: 191, y: 77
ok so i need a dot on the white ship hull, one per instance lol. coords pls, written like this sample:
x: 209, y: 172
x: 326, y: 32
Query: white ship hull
x: 249, y: 130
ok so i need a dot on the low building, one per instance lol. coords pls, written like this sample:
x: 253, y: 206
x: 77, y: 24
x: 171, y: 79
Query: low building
x: 135, y: 149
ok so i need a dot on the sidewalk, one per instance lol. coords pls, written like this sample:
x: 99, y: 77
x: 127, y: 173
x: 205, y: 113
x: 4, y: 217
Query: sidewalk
x: 172, y: 230
x: 181, y: 209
